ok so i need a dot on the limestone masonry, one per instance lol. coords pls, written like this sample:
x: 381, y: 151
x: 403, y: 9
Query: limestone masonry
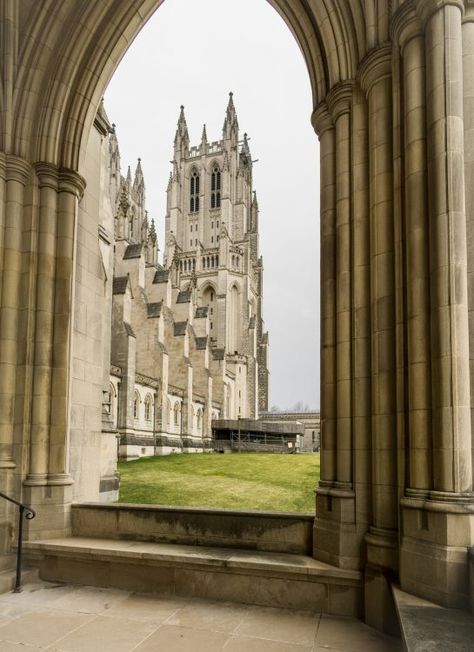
x: 187, y: 337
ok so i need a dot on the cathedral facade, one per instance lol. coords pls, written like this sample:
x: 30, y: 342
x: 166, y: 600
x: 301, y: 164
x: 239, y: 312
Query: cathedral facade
x: 187, y: 337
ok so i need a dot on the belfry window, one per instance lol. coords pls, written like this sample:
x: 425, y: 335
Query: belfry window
x: 194, y: 192
x: 216, y: 188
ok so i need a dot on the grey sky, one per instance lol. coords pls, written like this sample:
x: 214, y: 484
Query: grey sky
x: 193, y: 52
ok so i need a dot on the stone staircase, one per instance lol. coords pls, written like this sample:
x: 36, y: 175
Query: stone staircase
x: 246, y: 557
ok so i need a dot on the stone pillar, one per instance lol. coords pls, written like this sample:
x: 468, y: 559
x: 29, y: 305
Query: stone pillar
x: 361, y: 346
x: 324, y: 127
x: 468, y: 86
x: 408, y: 35
x: 14, y: 176
x: 335, y: 540
x: 47, y: 175
x: 438, y: 530
x: 48, y: 484
x: 382, y: 542
x: 339, y: 101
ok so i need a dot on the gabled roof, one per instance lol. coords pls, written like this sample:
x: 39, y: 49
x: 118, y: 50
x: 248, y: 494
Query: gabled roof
x: 133, y: 251
x: 201, y: 343
x: 201, y: 312
x: 180, y: 328
x: 218, y: 354
x: 119, y: 284
x: 161, y: 276
x: 184, y: 296
x: 153, y: 309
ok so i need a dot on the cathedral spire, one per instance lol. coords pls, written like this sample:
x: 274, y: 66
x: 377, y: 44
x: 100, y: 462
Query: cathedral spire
x: 204, y: 140
x: 129, y: 177
x: 139, y: 181
x: 231, y: 124
x: 181, y: 139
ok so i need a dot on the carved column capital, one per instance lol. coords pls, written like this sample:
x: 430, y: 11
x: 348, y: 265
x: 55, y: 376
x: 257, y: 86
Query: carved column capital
x: 321, y: 119
x: 71, y: 181
x: 339, y: 99
x: 405, y: 24
x: 14, y: 168
x: 427, y: 8
x: 47, y: 174
x: 375, y: 66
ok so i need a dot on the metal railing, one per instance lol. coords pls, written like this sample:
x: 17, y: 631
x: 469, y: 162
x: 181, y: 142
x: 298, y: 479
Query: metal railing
x: 29, y: 513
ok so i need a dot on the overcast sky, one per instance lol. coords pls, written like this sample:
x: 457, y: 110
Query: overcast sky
x: 193, y: 52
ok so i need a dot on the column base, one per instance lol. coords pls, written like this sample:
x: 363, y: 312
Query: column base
x: 437, y: 535
x: 381, y: 569
x: 336, y: 538
x: 52, y: 503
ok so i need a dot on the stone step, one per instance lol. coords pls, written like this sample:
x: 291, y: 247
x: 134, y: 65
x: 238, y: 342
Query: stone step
x: 261, y: 578
x: 7, y: 578
x: 428, y: 627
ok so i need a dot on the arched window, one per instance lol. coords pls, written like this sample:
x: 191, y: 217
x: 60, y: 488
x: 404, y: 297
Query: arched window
x: 194, y: 192
x: 216, y: 188
x: 148, y: 407
x: 136, y: 405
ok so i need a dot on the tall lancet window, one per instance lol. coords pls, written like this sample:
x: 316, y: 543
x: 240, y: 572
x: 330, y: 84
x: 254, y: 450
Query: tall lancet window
x: 216, y: 188
x: 194, y: 192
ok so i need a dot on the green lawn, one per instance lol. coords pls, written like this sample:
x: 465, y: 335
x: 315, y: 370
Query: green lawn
x: 278, y: 483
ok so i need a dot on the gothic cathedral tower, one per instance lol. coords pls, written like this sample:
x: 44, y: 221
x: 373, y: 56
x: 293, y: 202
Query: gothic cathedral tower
x: 212, y: 241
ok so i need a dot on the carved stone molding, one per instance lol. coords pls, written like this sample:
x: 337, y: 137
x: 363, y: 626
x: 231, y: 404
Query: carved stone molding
x: 426, y: 8
x: 405, y: 24
x: 375, y: 67
x: 321, y: 119
x: 339, y: 99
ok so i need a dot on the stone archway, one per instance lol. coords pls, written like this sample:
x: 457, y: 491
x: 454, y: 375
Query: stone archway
x: 393, y: 110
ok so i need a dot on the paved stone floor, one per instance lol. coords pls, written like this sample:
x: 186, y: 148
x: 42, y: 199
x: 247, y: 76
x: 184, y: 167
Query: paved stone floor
x: 68, y: 618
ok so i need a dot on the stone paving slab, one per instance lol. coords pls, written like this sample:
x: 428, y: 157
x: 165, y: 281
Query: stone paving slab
x: 69, y: 618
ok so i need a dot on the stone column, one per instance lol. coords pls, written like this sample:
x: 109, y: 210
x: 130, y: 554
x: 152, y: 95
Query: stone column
x: 48, y: 484
x: 437, y: 531
x: 14, y: 176
x: 335, y: 539
x: 323, y: 125
x: 382, y: 542
x: 408, y: 35
x: 361, y: 354
x: 47, y: 175
x: 339, y: 102
x: 468, y: 85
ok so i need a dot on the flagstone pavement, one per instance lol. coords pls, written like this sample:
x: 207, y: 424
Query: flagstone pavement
x: 67, y: 618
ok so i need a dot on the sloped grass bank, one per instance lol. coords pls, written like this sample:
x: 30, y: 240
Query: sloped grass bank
x: 266, y: 482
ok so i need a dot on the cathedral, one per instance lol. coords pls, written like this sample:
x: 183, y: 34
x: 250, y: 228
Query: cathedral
x: 187, y: 337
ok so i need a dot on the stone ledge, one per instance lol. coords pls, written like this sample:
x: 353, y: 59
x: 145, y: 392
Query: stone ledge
x: 428, y: 627
x: 251, y: 530
x: 267, y: 579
